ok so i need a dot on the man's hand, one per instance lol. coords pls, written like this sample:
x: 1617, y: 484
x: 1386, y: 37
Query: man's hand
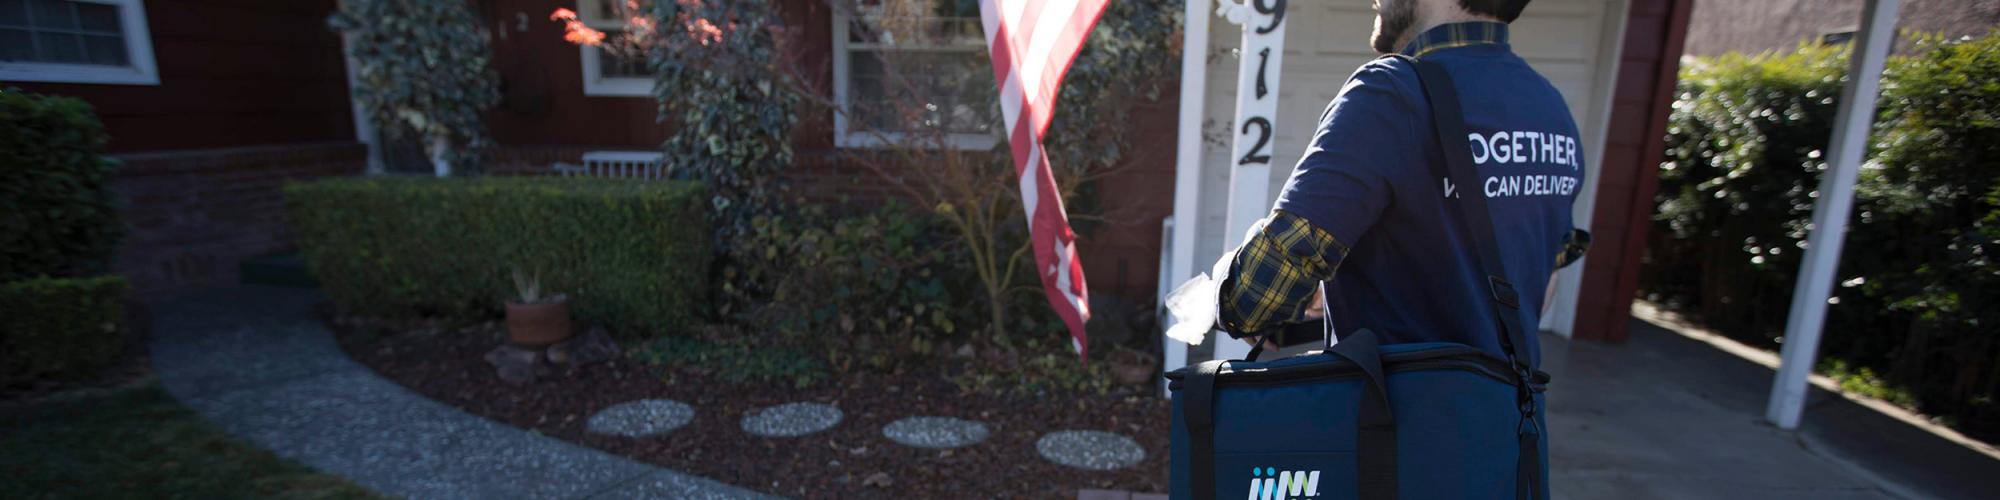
x: 1317, y: 308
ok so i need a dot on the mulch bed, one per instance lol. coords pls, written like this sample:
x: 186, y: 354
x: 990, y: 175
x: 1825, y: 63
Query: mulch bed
x: 851, y: 460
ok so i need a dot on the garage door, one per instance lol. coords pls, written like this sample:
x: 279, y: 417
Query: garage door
x: 1571, y: 42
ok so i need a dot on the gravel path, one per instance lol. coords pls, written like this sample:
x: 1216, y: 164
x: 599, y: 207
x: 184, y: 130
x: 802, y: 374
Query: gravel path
x: 255, y: 361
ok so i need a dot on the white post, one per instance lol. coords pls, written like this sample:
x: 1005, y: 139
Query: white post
x: 364, y: 130
x: 1830, y: 211
x: 1187, y: 167
x: 1255, y: 129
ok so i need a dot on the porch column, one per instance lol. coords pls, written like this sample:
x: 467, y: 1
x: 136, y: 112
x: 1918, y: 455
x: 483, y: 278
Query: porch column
x: 1187, y: 169
x: 1254, y: 130
x: 1830, y: 212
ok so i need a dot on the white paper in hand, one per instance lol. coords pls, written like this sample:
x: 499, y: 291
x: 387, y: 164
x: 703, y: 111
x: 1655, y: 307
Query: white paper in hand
x: 1193, y: 304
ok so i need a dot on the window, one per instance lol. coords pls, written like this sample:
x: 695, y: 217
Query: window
x: 76, y: 41
x: 899, y: 72
x: 607, y: 73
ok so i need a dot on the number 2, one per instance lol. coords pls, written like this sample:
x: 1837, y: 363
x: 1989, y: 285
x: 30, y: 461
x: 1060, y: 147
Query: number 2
x: 1263, y: 138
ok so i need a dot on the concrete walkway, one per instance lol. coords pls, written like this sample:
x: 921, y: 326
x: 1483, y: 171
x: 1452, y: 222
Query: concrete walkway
x: 1664, y: 415
x: 254, y: 361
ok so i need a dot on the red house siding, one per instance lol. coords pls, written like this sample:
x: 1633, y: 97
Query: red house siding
x: 252, y: 94
x: 232, y: 73
x: 1654, y: 35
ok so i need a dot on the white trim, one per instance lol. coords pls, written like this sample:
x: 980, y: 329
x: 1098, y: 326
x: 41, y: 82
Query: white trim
x: 595, y: 84
x: 364, y: 129
x: 1561, y: 309
x: 843, y: 68
x: 138, y: 48
x: 1187, y: 167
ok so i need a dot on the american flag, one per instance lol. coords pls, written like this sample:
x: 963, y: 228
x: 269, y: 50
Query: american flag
x: 1032, y: 44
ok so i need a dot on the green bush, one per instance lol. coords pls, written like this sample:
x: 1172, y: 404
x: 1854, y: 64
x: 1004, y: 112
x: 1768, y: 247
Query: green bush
x: 57, y: 214
x: 1912, y: 322
x: 632, y: 255
x: 890, y: 274
x: 59, y: 327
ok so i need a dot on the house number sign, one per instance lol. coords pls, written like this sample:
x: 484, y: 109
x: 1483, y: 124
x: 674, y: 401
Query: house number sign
x: 1259, y: 61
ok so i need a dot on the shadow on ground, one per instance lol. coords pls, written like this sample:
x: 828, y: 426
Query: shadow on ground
x: 1666, y: 416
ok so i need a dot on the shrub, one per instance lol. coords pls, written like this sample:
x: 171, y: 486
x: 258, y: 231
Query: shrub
x: 629, y: 254
x: 423, y: 69
x: 888, y: 274
x: 59, y: 327
x: 57, y: 214
x: 1744, y: 157
x: 735, y: 362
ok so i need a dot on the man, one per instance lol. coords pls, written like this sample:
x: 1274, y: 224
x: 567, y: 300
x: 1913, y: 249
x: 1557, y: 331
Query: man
x: 1364, y: 200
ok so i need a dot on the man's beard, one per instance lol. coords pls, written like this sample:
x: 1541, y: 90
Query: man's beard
x: 1392, y: 18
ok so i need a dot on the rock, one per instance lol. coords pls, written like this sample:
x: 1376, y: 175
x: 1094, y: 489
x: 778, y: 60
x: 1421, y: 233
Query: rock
x: 645, y: 417
x: 792, y: 420
x: 879, y: 480
x: 591, y: 347
x: 935, y: 432
x: 1093, y: 450
x: 516, y: 365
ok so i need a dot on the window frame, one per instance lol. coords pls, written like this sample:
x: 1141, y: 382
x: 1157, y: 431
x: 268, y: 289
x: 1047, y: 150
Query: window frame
x: 140, y: 70
x: 843, y: 51
x: 595, y: 84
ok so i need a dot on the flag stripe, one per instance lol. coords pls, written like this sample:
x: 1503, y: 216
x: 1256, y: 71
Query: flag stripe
x: 1031, y: 44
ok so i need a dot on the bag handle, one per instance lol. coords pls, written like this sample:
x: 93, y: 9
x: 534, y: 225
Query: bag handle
x: 1375, y: 430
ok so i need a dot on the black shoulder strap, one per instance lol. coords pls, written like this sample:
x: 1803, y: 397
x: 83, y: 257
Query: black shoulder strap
x: 1451, y: 134
x: 1198, y: 413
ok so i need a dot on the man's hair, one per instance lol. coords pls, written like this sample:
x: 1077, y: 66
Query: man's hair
x: 1504, y: 10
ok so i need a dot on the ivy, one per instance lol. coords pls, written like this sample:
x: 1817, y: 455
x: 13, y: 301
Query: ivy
x: 423, y: 68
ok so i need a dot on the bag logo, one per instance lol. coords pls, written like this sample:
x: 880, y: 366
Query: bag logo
x: 1267, y: 483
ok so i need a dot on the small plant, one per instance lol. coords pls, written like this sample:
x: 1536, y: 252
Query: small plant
x: 528, y: 288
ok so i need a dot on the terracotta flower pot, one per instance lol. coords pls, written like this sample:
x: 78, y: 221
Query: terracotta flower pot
x: 538, y: 324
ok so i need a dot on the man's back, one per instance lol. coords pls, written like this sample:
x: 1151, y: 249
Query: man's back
x: 1408, y: 271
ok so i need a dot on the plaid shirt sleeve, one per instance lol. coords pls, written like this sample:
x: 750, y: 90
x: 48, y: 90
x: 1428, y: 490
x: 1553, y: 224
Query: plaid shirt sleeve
x: 1273, y: 276
x: 1574, y: 246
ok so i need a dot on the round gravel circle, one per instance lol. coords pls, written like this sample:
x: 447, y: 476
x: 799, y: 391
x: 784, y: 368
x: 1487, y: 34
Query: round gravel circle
x: 1093, y: 450
x: 935, y: 432
x: 792, y: 420
x: 645, y: 417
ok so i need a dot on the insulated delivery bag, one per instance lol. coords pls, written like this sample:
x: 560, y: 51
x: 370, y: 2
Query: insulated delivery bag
x: 1374, y: 422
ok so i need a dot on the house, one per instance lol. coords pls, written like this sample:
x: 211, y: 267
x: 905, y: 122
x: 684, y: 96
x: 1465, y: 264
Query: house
x: 214, y: 103
x: 1750, y: 27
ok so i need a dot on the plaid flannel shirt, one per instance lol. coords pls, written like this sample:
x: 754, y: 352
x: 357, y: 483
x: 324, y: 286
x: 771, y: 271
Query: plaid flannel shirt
x: 1273, y: 275
x: 1272, y: 278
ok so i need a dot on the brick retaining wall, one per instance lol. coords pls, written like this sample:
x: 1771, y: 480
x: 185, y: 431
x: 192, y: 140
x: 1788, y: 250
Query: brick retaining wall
x: 192, y: 216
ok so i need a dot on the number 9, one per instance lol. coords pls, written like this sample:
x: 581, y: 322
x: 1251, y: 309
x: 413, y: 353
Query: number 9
x: 1276, y: 11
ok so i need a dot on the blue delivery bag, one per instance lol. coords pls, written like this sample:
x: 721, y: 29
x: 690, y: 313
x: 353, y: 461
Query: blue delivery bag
x: 1295, y: 428
x: 1375, y: 422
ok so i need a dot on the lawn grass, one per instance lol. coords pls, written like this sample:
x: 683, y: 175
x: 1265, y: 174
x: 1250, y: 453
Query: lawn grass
x: 138, y: 442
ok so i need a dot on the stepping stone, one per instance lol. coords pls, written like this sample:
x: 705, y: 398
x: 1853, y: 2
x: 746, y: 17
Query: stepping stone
x: 1093, y: 450
x: 792, y: 420
x: 642, y: 418
x: 935, y: 432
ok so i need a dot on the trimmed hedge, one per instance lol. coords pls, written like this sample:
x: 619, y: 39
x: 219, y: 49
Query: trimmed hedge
x: 59, y: 327
x: 1913, y: 318
x: 631, y: 255
x: 57, y: 213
